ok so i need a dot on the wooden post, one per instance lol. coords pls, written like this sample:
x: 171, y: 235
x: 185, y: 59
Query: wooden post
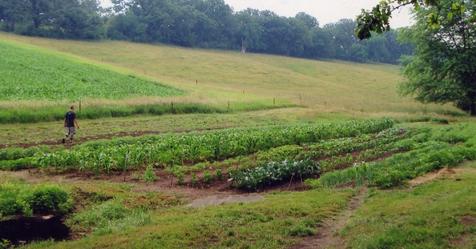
x: 228, y: 106
x: 172, y: 106
x: 196, y: 82
x: 300, y: 99
x: 274, y: 101
x: 80, y: 105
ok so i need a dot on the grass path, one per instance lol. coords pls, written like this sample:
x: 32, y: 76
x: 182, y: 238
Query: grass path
x: 328, y: 235
x: 439, y: 213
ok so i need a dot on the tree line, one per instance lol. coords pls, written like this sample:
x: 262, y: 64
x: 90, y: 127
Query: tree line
x: 199, y: 23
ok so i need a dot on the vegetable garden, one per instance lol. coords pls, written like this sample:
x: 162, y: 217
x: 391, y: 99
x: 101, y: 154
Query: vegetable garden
x: 370, y: 152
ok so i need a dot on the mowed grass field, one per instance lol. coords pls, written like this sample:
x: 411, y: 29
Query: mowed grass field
x: 223, y: 77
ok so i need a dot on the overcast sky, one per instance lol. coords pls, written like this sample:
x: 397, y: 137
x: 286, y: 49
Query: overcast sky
x: 325, y: 11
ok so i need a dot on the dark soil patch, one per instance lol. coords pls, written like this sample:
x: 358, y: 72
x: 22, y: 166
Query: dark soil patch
x: 468, y: 220
x: 23, y: 230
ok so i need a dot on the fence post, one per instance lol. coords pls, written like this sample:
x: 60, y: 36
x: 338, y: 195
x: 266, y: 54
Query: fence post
x: 228, y: 106
x: 274, y: 101
x: 80, y: 102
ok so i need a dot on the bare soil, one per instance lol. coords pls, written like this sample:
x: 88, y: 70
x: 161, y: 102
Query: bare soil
x: 431, y: 177
x: 467, y: 238
x: 215, y: 200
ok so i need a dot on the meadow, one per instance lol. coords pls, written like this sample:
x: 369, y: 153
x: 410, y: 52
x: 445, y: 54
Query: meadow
x: 191, y: 148
x: 220, y: 77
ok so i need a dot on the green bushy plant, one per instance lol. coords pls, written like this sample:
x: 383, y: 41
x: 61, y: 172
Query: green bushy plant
x: 25, y: 199
x: 273, y: 172
x: 149, y: 174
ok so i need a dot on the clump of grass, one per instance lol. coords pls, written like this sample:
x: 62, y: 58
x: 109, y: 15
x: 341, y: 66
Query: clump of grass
x: 110, y: 216
x: 149, y: 174
x: 24, y: 199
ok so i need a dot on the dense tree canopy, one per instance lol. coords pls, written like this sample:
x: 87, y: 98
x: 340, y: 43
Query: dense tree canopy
x: 198, y: 23
x: 444, y: 66
x: 54, y: 18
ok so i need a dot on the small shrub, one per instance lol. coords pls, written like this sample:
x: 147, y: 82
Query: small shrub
x: 24, y: 199
x: 301, y: 230
x: 207, y: 177
x: 194, y: 180
x: 149, y: 174
x: 219, y: 174
x: 273, y: 172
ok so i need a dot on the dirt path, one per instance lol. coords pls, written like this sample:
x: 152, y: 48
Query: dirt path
x: 194, y: 197
x: 328, y: 235
x: 82, y: 139
x: 107, y: 136
x: 215, y: 200
x: 431, y: 176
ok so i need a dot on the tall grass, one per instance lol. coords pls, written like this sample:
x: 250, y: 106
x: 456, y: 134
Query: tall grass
x: 56, y: 113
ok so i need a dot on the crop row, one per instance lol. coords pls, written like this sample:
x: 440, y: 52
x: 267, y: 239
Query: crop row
x: 186, y: 149
x: 273, y: 172
x: 270, y: 173
x: 327, y: 148
x: 398, y: 168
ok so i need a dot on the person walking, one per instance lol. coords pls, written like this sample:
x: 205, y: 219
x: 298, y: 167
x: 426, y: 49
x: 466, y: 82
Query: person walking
x: 70, y: 125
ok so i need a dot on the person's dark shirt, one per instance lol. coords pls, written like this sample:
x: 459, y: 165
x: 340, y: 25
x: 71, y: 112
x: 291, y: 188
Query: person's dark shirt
x: 69, y: 119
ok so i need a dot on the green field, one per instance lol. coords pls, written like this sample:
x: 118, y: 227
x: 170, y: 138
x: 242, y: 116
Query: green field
x: 223, y: 77
x: 48, y: 76
x: 227, y: 151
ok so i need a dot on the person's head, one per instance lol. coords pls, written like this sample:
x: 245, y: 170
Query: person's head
x: 71, y: 108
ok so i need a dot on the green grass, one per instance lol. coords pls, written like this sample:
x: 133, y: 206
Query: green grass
x: 230, y: 76
x: 276, y: 222
x: 31, y: 74
x: 428, y: 216
x: 32, y: 115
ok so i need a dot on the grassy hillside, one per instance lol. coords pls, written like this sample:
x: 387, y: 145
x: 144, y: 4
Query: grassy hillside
x: 32, y: 74
x: 217, y: 77
x: 320, y: 174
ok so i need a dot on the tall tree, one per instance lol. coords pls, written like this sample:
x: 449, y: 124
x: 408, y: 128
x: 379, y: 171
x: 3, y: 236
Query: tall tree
x: 13, y: 12
x: 443, y: 69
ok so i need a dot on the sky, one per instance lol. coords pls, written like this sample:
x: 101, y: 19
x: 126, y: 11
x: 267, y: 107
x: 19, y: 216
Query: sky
x: 325, y: 11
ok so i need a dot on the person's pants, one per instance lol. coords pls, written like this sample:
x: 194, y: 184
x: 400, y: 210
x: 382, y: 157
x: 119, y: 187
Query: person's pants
x: 70, y: 131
